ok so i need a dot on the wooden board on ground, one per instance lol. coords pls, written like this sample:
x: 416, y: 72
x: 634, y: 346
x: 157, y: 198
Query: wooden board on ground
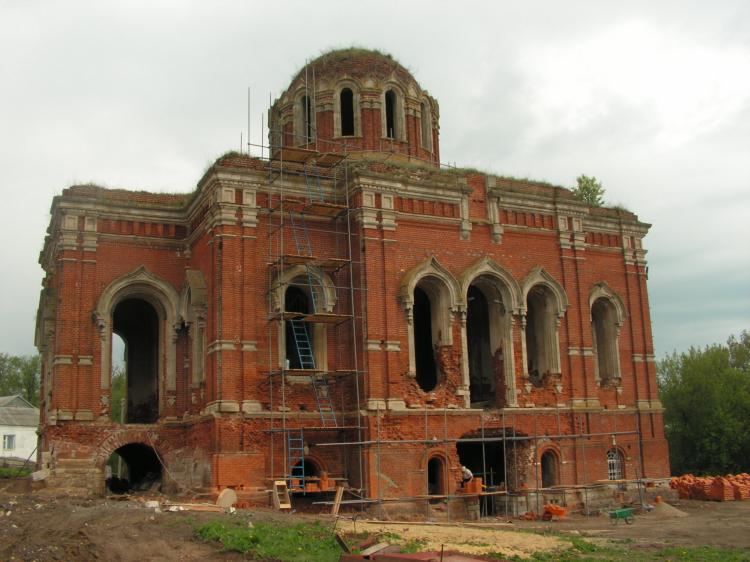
x: 337, y: 500
x: 280, y: 495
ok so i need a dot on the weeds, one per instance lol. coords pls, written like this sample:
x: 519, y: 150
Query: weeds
x: 295, y: 543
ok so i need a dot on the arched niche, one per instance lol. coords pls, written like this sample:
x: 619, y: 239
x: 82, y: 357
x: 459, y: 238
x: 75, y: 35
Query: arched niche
x: 193, y: 307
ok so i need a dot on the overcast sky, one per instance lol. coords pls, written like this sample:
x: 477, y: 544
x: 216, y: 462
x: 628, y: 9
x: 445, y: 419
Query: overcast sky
x: 654, y: 100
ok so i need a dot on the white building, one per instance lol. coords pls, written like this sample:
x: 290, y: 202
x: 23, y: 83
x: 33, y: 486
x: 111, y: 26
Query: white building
x: 18, y: 423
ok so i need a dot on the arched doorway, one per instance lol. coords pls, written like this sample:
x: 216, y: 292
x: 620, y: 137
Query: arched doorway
x: 136, y: 321
x: 550, y: 470
x: 435, y: 478
x: 133, y: 467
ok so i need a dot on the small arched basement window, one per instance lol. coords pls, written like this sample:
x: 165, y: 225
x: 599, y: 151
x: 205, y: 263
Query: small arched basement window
x: 346, y: 102
x: 604, y: 331
x: 615, y: 465
x: 390, y: 114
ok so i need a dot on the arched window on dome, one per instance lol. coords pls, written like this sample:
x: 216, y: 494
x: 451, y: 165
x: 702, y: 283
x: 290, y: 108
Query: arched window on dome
x: 346, y: 103
x: 390, y: 115
x: 426, y: 128
x: 307, y: 120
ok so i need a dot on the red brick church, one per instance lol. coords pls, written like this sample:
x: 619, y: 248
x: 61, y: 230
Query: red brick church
x: 345, y: 310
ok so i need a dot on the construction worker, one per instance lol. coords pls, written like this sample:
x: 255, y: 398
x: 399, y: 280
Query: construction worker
x: 466, y: 476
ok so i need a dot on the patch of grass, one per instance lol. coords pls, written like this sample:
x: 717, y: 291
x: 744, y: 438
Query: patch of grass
x: 303, y: 542
x: 412, y: 545
x: 14, y: 472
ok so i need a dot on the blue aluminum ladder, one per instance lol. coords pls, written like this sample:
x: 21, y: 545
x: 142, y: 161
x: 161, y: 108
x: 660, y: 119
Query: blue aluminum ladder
x: 295, y: 456
x: 302, y: 343
x: 323, y: 399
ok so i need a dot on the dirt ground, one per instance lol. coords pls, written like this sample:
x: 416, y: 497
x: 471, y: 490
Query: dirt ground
x: 681, y: 523
x: 41, y: 526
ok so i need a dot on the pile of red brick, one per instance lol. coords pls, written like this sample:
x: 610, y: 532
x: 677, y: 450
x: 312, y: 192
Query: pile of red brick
x: 713, y: 488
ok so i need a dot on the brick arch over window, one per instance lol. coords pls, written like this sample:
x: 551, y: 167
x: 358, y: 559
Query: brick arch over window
x: 126, y: 437
x: 443, y: 292
x: 504, y: 300
x: 607, y: 315
x: 140, y: 284
x: 545, y: 303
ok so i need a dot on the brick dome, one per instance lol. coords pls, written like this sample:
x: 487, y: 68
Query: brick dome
x: 357, y: 101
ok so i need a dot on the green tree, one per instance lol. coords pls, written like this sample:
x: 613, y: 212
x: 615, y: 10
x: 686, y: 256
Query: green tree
x: 706, y: 396
x: 118, y: 392
x: 589, y: 190
x: 19, y: 374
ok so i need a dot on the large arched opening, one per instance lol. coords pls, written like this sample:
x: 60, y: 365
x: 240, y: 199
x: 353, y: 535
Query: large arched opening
x: 133, y: 467
x: 424, y: 350
x: 541, y: 333
x: 136, y: 322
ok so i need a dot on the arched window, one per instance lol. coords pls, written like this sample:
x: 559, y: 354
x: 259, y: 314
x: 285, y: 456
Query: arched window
x: 390, y: 115
x: 550, y: 470
x: 307, y: 119
x: 481, y: 372
x: 426, y: 126
x: 604, y: 330
x: 427, y: 374
x: 137, y: 323
x: 541, y: 334
x: 298, y: 333
x: 615, y: 465
x: 346, y: 102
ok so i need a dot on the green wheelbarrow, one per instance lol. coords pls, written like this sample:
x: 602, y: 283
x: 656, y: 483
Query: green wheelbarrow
x: 625, y: 513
